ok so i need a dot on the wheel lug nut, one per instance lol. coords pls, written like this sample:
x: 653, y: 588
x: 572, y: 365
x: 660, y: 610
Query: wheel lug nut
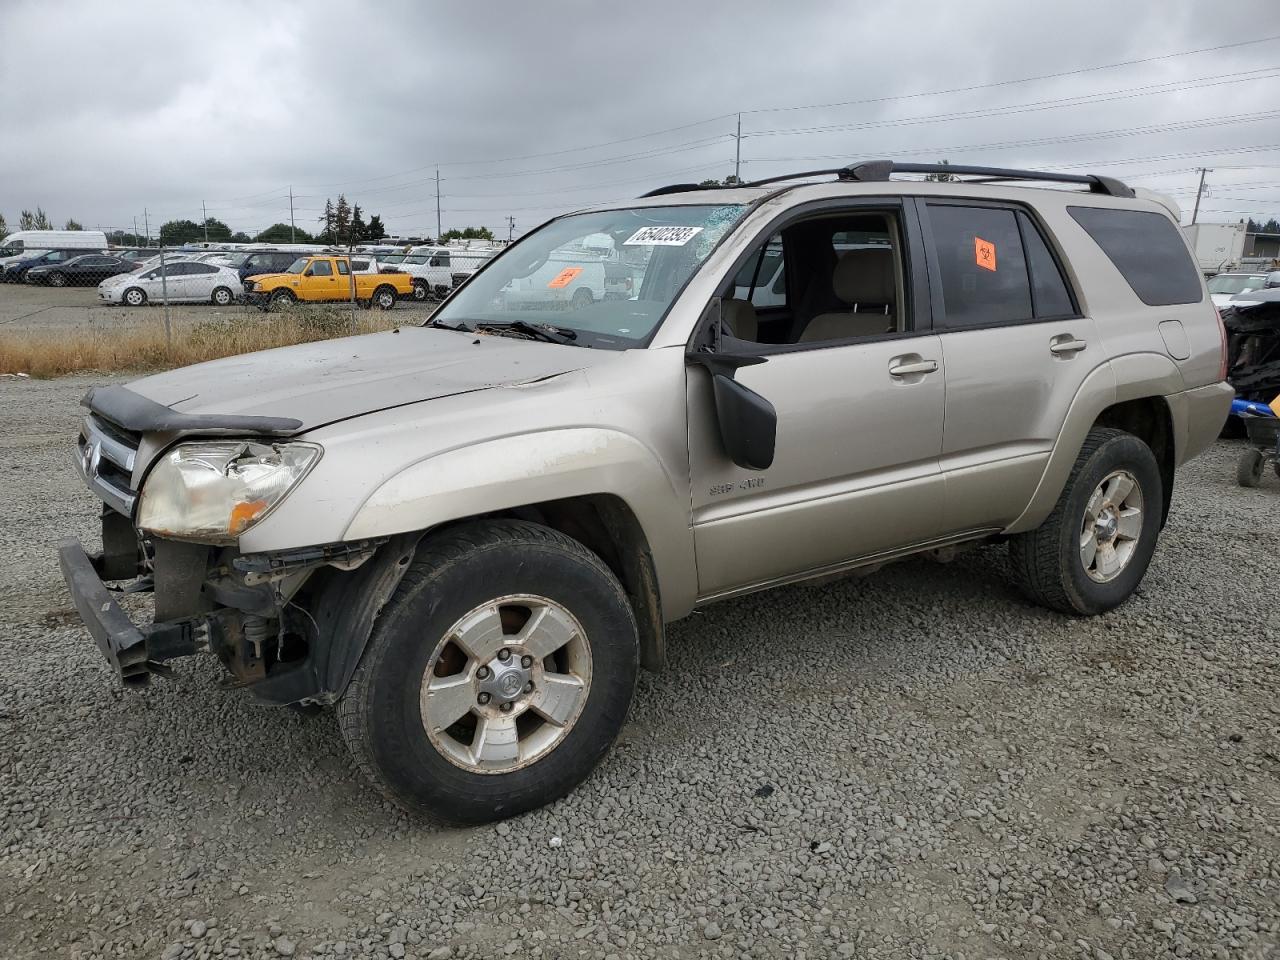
x: 526, y: 661
x: 483, y: 673
x: 504, y: 654
x: 528, y: 687
x: 482, y: 699
x: 505, y: 708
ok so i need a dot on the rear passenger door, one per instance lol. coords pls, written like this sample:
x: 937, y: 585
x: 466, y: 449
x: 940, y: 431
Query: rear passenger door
x: 1015, y: 349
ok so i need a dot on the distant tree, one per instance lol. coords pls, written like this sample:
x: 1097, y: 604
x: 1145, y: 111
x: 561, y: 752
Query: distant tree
x: 336, y: 222
x: 375, y: 230
x: 467, y: 233
x: 216, y: 229
x: 942, y: 177
x: 72, y: 225
x: 4, y: 227
x: 729, y: 181
x: 177, y: 232
x: 356, y: 230
x: 34, y: 221
x: 282, y: 233
x: 239, y: 237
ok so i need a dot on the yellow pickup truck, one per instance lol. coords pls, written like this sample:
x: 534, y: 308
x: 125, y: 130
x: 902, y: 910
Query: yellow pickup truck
x: 323, y: 278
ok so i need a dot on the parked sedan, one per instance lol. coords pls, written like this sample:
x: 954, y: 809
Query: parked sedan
x: 182, y: 282
x: 89, y: 269
x: 15, y: 271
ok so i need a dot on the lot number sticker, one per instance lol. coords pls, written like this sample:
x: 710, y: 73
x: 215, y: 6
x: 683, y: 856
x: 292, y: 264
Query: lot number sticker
x: 662, y: 236
x: 984, y: 253
x: 563, y: 278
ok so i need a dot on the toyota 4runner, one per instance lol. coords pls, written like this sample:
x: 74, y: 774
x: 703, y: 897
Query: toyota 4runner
x: 469, y: 535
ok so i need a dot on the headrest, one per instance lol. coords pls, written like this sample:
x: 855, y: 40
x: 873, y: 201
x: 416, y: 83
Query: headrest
x: 865, y: 276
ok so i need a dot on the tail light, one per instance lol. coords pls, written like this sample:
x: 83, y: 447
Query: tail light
x: 1222, y: 337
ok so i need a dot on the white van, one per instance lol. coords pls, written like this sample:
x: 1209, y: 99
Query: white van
x: 23, y: 240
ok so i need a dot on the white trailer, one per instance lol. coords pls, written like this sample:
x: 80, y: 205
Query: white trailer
x: 1218, y: 246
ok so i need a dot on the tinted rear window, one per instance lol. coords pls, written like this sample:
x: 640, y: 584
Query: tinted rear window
x: 1147, y: 249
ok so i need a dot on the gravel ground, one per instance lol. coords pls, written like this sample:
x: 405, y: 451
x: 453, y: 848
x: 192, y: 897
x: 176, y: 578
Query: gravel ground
x: 913, y: 764
x: 26, y: 308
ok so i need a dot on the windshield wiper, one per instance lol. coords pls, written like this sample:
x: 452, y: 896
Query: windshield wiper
x: 462, y: 327
x: 539, y: 331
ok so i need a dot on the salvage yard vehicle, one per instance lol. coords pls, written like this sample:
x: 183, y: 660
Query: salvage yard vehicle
x: 469, y: 535
x: 88, y: 269
x: 324, y: 279
x: 180, y: 281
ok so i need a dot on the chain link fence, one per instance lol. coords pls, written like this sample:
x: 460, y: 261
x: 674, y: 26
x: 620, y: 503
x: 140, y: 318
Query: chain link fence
x: 184, y: 304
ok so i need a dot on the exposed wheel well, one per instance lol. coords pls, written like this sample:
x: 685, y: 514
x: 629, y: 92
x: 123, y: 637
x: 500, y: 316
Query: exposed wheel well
x: 1148, y: 419
x: 605, y: 525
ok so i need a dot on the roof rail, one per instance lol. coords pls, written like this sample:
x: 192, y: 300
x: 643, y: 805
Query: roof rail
x: 680, y: 188
x: 871, y: 171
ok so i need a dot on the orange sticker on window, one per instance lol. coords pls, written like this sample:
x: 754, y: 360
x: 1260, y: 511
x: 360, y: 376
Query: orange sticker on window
x: 984, y: 253
x: 564, y: 278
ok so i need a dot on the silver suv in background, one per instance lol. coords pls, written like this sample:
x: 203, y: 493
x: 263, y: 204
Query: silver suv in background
x: 469, y: 535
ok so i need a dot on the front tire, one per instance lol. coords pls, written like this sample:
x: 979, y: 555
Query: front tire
x: 1092, y: 551
x: 420, y: 291
x: 222, y: 297
x: 497, y: 676
x: 134, y: 297
x: 281, y: 300
x: 57, y: 279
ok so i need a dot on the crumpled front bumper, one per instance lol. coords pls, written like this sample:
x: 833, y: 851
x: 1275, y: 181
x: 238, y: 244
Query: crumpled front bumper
x: 135, y: 652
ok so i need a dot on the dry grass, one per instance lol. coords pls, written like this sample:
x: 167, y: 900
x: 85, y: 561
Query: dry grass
x: 142, y: 348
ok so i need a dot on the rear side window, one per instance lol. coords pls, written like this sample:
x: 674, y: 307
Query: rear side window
x: 981, y: 263
x: 1048, y: 289
x: 1147, y: 249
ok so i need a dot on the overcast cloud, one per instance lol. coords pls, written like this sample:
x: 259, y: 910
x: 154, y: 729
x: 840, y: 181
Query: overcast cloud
x: 110, y: 109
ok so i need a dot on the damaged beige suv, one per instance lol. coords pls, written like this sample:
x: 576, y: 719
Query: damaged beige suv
x: 469, y: 535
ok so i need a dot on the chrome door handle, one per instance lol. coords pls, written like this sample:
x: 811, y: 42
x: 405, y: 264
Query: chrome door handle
x: 1066, y: 345
x: 908, y: 369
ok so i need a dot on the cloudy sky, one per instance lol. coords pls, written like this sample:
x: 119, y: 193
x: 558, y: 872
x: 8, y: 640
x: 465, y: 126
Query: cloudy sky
x: 530, y: 109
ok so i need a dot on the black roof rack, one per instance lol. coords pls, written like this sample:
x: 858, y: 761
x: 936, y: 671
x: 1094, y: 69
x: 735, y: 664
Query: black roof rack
x: 871, y: 171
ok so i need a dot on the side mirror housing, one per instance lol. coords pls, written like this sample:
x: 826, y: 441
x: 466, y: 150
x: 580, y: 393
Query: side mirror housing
x: 748, y: 423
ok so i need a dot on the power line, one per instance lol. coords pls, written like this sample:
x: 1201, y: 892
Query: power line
x: 1037, y: 106
x: 1005, y: 83
x: 759, y: 110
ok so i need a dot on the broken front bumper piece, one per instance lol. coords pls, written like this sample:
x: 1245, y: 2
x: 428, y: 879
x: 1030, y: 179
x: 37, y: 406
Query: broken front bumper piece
x: 134, y: 651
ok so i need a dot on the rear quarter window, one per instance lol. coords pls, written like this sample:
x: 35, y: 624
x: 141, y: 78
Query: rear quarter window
x: 1147, y: 249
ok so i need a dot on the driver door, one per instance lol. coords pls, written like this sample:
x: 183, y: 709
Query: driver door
x: 855, y: 472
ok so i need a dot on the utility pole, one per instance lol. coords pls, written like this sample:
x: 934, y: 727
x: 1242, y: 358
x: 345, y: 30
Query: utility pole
x: 135, y: 231
x: 205, y: 220
x: 146, y: 225
x: 438, y: 229
x: 511, y: 228
x: 1199, y: 192
x: 737, y: 152
x: 293, y: 231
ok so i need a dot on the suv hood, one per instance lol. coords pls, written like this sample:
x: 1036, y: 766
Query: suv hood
x: 330, y: 380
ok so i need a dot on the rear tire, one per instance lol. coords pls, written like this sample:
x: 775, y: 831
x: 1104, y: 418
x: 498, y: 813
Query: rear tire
x: 384, y: 298
x: 1092, y: 551
x: 1249, y: 468
x: 459, y: 606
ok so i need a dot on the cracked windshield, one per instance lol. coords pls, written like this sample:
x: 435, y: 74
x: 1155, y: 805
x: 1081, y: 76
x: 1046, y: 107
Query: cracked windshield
x: 606, y: 277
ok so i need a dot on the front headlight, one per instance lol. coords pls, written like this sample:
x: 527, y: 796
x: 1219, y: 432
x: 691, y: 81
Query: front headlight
x: 248, y: 285
x: 212, y: 491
